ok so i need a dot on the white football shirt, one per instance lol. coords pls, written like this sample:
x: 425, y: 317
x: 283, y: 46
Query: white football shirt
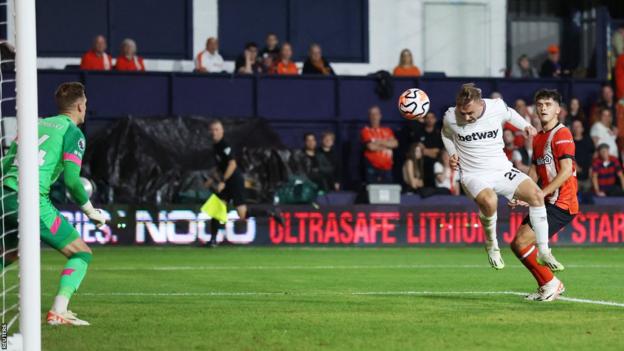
x: 479, y: 145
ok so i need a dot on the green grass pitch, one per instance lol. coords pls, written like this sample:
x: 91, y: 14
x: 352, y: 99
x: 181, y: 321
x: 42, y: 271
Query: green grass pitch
x: 241, y: 298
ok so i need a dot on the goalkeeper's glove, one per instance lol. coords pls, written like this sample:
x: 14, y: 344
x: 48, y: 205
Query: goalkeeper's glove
x: 94, y: 214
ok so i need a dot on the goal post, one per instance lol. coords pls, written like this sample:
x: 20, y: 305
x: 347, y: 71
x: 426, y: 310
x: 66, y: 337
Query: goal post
x: 27, y: 115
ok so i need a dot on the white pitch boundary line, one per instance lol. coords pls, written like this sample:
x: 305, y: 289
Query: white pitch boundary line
x: 321, y: 267
x: 360, y: 293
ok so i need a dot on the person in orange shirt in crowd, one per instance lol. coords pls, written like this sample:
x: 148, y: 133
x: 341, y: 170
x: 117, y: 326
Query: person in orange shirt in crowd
x: 128, y: 60
x: 285, y: 65
x: 378, y: 142
x: 96, y: 59
x: 406, y: 67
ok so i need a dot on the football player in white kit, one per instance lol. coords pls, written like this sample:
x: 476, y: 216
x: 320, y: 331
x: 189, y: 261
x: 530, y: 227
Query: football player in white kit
x: 473, y: 135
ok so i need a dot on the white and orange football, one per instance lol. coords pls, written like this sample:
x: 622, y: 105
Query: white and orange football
x: 414, y: 104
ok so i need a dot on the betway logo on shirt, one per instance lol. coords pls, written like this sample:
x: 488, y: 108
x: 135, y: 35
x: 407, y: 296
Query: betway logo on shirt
x: 488, y: 134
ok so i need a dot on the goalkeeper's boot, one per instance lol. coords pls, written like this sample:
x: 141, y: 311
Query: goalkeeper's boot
x: 548, y: 292
x: 494, y: 255
x: 65, y: 318
x: 547, y: 259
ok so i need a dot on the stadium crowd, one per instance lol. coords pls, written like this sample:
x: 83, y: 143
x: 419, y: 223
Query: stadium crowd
x: 424, y: 169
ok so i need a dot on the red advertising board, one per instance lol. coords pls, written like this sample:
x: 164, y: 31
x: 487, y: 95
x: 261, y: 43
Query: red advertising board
x: 361, y: 225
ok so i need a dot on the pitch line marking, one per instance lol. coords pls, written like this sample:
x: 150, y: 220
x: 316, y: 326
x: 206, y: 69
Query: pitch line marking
x: 357, y: 293
x: 320, y: 267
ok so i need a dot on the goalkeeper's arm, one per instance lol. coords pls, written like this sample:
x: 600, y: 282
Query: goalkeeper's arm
x: 71, y: 174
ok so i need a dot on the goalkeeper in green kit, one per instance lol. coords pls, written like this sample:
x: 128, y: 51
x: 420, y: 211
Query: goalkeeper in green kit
x: 61, y: 147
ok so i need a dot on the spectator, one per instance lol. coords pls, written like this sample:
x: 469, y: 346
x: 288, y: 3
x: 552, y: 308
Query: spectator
x: 521, y: 107
x: 575, y: 113
x: 413, y: 169
x: 617, y: 44
x: 536, y: 123
x: 519, y: 138
x: 317, y: 167
x: 129, y: 60
x: 619, y: 121
x: 602, y: 132
x: 521, y: 155
x: 607, y: 100
x: 607, y: 177
x: 316, y: 63
x: 406, y: 67
x: 285, y: 65
x: 209, y: 60
x: 379, y: 142
x: 551, y: 68
x: 523, y: 68
x: 508, y: 140
x: 619, y: 77
x: 247, y: 62
x: 271, y: 48
x: 563, y: 114
x: 430, y: 141
x: 445, y: 177
x: 583, y: 156
x: 96, y: 59
x: 496, y: 95
x: 328, y: 151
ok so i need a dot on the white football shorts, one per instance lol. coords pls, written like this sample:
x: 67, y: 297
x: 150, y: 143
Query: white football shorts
x: 503, y: 182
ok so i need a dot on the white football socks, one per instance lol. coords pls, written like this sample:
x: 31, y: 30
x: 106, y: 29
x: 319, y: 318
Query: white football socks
x: 60, y: 304
x: 489, y: 226
x: 539, y: 222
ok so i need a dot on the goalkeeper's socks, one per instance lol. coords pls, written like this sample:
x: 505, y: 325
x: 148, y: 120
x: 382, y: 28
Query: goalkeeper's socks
x: 72, y: 275
x: 60, y: 304
x: 539, y: 223
x: 528, y: 257
x: 489, y: 226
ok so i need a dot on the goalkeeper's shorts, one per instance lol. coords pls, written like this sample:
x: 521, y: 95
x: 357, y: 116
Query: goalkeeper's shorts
x: 55, y: 230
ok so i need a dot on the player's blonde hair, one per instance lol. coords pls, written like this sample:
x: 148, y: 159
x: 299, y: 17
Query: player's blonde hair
x: 467, y: 94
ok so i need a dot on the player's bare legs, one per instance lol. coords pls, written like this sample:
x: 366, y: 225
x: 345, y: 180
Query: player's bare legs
x: 78, y: 256
x: 530, y: 193
x: 487, y: 200
x: 523, y: 245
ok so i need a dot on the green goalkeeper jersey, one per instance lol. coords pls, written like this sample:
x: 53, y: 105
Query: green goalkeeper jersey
x: 61, y: 147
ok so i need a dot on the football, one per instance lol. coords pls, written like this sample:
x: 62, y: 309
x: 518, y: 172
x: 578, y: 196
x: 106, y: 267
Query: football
x: 414, y: 104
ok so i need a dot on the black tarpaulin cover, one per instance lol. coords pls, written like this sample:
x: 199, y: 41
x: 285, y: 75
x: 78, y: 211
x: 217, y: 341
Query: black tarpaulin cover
x: 153, y: 159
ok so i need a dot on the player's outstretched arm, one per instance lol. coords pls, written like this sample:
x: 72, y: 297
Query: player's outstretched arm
x: 73, y: 150
x: 71, y: 175
x: 518, y: 121
x: 447, y: 139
